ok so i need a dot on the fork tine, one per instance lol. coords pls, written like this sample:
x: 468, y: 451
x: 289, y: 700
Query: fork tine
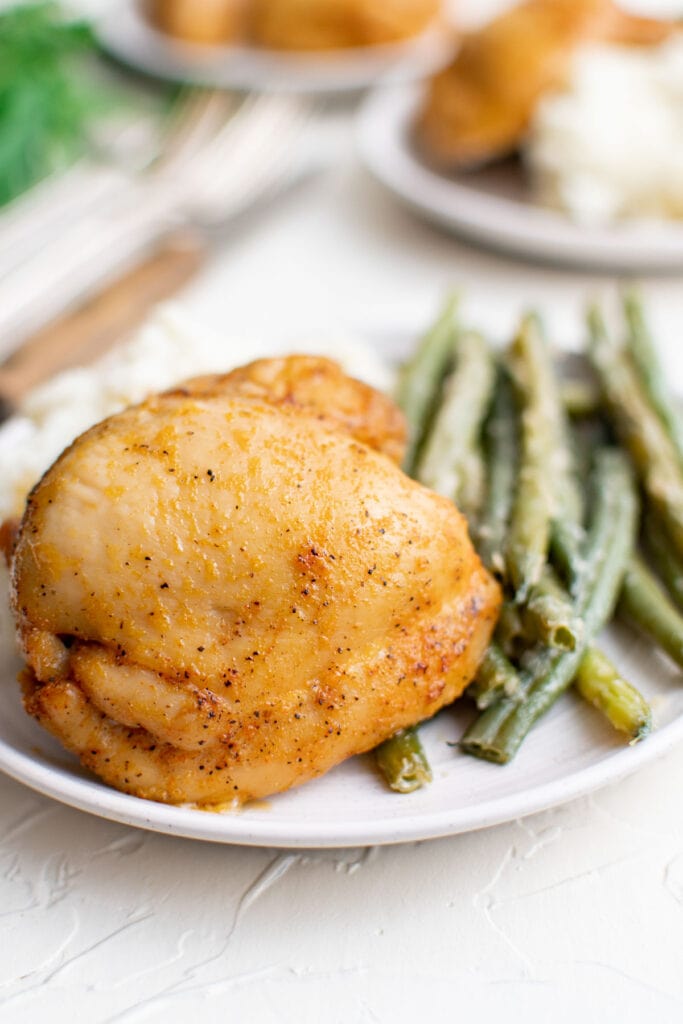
x: 254, y: 112
x: 200, y: 114
x: 258, y: 131
x: 214, y: 115
x: 263, y: 153
x: 254, y: 142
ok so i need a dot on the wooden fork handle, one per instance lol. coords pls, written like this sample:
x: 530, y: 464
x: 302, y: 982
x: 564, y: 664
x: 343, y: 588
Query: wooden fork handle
x: 81, y: 336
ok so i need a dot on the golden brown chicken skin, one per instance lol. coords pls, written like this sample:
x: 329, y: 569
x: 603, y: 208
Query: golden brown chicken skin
x: 200, y: 21
x: 224, y: 591
x: 337, y: 24
x: 479, y: 108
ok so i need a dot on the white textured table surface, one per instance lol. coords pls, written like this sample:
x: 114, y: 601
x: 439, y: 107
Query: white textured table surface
x: 576, y: 913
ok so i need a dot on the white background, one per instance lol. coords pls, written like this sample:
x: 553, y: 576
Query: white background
x: 574, y: 914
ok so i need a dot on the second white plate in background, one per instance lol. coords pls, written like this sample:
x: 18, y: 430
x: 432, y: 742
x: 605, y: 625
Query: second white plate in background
x: 491, y: 206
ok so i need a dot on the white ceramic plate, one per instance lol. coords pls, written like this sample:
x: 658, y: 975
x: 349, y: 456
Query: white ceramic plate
x: 492, y: 207
x: 129, y: 37
x: 572, y: 752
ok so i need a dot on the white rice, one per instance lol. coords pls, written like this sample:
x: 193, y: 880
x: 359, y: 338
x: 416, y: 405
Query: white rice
x: 610, y: 146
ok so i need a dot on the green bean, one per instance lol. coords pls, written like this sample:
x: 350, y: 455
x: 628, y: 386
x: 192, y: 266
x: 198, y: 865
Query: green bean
x: 565, y: 548
x: 643, y: 354
x: 471, y: 495
x: 450, y: 448
x: 401, y: 758
x: 580, y: 397
x: 499, y: 731
x: 549, y: 616
x: 600, y: 683
x: 567, y: 533
x: 403, y: 762
x: 510, y: 629
x: 501, y: 454
x: 609, y: 545
x: 535, y: 502
x: 640, y: 430
x: 497, y: 677
x: 421, y: 379
x: 668, y: 566
x: 645, y: 604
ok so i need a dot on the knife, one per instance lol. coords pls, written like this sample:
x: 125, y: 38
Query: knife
x: 83, y: 335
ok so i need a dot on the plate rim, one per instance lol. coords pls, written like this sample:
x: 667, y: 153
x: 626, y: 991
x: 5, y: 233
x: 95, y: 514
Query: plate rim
x: 94, y: 797
x: 547, y: 235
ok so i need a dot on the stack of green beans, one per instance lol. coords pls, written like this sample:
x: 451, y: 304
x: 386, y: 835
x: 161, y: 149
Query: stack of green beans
x: 497, y: 433
x: 401, y: 759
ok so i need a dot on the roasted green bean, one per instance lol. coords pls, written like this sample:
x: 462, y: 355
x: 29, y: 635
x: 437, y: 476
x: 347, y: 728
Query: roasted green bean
x: 533, y: 505
x: 669, y: 567
x: 449, y: 457
x: 640, y: 430
x: 644, y: 603
x: 643, y: 354
x: 497, y: 677
x: 499, y: 731
x: 580, y: 397
x: 401, y: 758
x: 600, y: 683
x: 549, y: 616
x: 422, y: 377
x: 501, y: 455
x: 403, y: 762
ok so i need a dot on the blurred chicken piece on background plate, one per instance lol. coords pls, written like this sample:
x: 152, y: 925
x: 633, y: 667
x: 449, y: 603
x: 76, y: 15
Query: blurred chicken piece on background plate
x: 479, y: 108
x: 331, y: 24
x: 211, y: 21
x: 295, y: 24
x: 317, y: 46
x: 555, y: 134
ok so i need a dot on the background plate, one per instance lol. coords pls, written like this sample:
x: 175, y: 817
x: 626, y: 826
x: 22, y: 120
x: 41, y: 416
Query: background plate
x: 491, y: 206
x: 129, y: 37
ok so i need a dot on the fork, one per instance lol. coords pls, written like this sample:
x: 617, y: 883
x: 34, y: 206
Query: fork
x: 120, y: 154
x: 218, y: 162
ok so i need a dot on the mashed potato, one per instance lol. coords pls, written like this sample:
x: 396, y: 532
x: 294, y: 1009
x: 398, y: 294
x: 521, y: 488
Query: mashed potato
x: 611, y: 146
x: 169, y: 349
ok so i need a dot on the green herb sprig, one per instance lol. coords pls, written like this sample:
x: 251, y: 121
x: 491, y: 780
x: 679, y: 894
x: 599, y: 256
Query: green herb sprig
x: 48, y: 97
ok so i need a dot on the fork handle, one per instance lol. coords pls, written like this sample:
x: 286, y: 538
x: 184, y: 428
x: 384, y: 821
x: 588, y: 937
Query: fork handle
x: 81, y: 336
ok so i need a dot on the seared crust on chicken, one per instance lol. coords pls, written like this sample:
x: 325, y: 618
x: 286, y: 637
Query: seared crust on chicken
x: 318, y: 387
x: 479, y: 108
x: 230, y: 588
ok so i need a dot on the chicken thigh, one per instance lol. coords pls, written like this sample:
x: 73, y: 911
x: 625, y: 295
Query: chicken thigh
x: 230, y: 588
x: 479, y: 108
